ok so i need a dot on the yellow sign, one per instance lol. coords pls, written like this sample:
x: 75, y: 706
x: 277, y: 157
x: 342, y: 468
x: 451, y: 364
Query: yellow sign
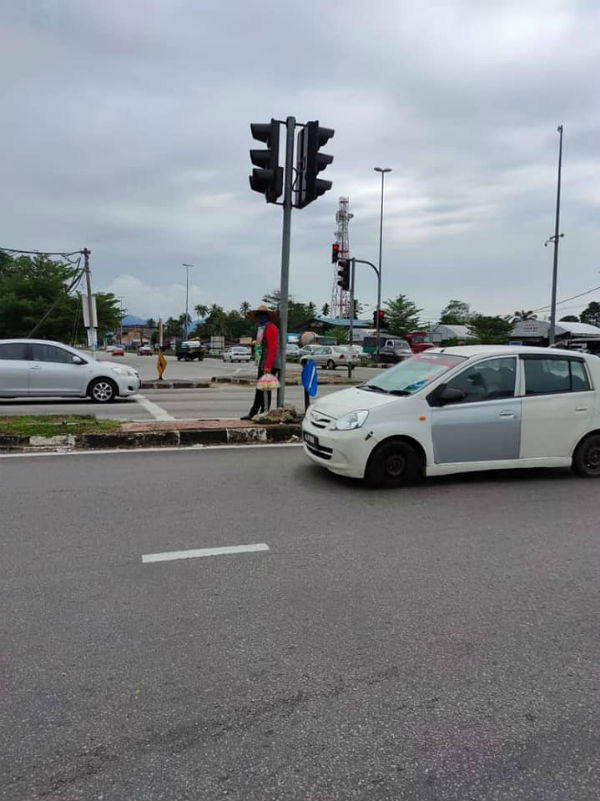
x: 161, y: 364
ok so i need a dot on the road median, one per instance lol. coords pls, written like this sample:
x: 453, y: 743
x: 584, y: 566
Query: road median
x: 86, y: 433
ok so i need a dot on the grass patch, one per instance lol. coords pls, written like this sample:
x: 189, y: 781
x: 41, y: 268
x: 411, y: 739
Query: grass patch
x: 42, y: 425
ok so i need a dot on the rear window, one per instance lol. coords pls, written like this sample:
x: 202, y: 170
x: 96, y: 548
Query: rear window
x: 13, y: 350
x: 550, y: 376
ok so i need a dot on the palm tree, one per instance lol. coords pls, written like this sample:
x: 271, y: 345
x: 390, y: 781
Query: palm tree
x: 201, y: 310
x: 244, y: 308
x: 518, y: 316
x: 325, y: 310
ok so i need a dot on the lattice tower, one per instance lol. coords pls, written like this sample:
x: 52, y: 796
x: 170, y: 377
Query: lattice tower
x: 340, y: 298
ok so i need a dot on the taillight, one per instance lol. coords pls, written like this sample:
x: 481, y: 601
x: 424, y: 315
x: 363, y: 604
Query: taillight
x: 341, y: 355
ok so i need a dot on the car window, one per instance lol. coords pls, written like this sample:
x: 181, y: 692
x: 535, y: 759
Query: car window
x: 13, y: 350
x: 414, y: 374
x: 50, y: 353
x: 549, y: 376
x: 489, y: 380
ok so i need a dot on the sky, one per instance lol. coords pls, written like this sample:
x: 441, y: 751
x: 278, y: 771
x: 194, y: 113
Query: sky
x: 126, y: 129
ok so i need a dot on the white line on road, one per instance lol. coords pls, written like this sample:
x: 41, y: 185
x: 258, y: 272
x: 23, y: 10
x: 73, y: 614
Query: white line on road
x: 131, y: 451
x: 169, y: 556
x: 153, y: 408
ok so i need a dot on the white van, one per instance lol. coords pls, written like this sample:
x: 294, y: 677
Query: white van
x: 452, y: 410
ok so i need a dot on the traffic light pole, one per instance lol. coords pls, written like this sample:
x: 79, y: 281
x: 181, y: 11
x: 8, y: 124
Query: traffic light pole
x: 363, y: 261
x: 290, y: 125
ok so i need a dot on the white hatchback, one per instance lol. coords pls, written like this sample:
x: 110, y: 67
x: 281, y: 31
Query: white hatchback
x: 452, y: 410
x: 238, y: 353
x: 41, y: 368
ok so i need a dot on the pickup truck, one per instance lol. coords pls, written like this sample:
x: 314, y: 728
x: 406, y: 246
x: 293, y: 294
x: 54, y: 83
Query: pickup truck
x: 189, y: 350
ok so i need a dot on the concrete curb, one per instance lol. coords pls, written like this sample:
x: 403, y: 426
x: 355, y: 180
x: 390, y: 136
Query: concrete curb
x: 273, y: 433
x: 179, y: 384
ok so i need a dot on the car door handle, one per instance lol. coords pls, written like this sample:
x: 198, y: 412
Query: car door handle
x: 581, y: 408
x: 507, y: 413
x: 36, y: 367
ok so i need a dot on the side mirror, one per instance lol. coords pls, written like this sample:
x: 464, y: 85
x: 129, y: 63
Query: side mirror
x: 78, y: 360
x: 443, y: 395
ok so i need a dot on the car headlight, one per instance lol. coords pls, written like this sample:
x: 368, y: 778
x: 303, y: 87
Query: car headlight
x: 122, y: 370
x: 352, y: 420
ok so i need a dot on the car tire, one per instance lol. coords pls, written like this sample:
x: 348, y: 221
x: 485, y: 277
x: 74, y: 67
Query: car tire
x: 102, y: 390
x: 586, y: 459
x: 330, y: 364
x: 393, y: 464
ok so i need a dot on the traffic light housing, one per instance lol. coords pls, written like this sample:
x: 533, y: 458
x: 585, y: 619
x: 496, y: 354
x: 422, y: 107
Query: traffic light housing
x: 335, y: 253
x: 381, y: 315
x: 344, y: 274
x: 268, y: 178
x: 310, y: 162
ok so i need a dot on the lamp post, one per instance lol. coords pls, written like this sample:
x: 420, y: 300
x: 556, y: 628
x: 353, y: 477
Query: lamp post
x: 121, y: 319
x: 383, y: 171
x: 187, y: 294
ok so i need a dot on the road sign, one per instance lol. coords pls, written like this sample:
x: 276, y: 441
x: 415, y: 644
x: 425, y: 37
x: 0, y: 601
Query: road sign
x: 309, y: 377
x: 161, y: 364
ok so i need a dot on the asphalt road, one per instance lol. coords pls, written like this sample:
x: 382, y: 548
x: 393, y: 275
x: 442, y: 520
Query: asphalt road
x: 439, y: 642
x: 218, y: 401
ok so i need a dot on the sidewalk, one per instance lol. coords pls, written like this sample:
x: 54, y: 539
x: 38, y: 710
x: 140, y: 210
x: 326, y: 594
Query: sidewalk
x: 154, y: 434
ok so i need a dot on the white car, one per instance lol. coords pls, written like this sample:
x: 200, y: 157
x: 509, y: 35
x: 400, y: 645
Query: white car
x: 292, y: 351
x: 41, y: 368
x: 238, y: 353
x: 332, y: 356
x: 453, y: 410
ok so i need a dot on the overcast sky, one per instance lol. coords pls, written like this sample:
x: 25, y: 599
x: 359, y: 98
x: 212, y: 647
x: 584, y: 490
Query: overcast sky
x: 125, y: 129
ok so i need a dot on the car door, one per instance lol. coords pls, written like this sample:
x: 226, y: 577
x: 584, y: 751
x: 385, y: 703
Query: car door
x: 558, y: 405
x: 484, y: 424
x: 14, y: 369
x: 53, y: 372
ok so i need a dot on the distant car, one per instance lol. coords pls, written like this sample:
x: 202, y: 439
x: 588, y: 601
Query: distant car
x: 394, y: 350
x: 293, y: 351
x: 359, y: 352
x: 189, y: 350
x: 145, y: 350
x: 118, y: 351
x: 41, y: 368
x: 332, y: 356
x: 307, y: 350
x: 238, y: 353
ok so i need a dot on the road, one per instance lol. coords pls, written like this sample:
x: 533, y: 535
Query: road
x: 439, y: 642
x: 218, y: 401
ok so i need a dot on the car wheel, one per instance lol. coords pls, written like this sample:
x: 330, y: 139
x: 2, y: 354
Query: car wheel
x: 393, y: 464
x: 586, y: 459
x: 330, y: 364
x: 102, y: 390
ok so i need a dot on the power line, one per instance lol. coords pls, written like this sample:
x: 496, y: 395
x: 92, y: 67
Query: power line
x: 573, y: 297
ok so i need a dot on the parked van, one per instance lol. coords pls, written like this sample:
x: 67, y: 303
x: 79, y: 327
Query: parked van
x: 452, y: 410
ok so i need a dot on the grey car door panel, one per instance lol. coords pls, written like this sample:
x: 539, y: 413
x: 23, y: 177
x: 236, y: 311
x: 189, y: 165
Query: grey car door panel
x: 14, y: 369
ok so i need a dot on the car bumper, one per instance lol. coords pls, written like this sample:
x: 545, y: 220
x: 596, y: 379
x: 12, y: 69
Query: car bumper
x: 128, y: 385
x: 343, y: 452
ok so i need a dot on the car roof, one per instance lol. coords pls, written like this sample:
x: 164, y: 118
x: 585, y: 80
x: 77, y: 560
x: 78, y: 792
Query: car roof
x: 490, y: 350
x: 37, y: 342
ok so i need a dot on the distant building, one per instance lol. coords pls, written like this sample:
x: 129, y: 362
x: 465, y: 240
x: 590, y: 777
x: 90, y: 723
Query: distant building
x: 442, y: 333
x: 536, y: 332
x: 135, y: 331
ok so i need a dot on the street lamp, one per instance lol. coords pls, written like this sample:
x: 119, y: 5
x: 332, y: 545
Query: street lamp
x: 187, y: 294
x: 383, y: 171
x: 554, y: 239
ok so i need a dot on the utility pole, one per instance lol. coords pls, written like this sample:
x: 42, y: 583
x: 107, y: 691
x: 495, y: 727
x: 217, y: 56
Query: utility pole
x: 187, y: 295
x: 91, y: 311
x: 383, y: 171
x: 555, y: 238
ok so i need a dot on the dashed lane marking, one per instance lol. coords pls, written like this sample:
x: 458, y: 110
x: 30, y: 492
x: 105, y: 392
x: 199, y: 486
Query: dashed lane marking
x: 153, y: 409
x: 169, y: 556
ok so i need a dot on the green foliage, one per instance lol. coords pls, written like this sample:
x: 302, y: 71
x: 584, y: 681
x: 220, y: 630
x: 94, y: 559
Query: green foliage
x: 591, y: 314
x: 570, y: 318
x: 325, y: 310
x: 340, y: 334
x: 519, y: 316
x: 32, y: 288
x: 457, y: 312
x: 401, y: 315
x: 298, y: 313
x: 490, y: 330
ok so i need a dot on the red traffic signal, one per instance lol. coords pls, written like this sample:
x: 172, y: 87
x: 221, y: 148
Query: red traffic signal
x: 335, y: 253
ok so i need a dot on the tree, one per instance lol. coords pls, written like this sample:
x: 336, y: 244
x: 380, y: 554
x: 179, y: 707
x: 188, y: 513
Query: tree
x: 244, y: 308
x: 339, y: 333
x: 401, y: 315
x: 201, y: 310
x: 457, y: 312
x: 490, y: 330
x: 570, y: 318
x: 325, y: 310
x: 151, y: 322
x: 591, y: 314
x: 38, y: 295
x: 522, y: 315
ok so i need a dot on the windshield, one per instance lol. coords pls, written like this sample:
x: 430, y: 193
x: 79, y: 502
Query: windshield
x: 413, y: 374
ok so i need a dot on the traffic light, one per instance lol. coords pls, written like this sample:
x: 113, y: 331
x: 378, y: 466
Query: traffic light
x: 335, y: 253
x: 309, y: 162
x: 381, y: 315
x: 344, y: 273
x: 268, y: 179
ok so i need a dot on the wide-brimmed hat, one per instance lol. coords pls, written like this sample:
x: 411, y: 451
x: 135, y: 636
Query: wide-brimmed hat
x: 272, y: 315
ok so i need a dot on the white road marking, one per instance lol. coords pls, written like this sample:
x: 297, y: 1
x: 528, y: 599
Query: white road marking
x: 169, y: 449
x: 169, y: 556
x: 153, y: 408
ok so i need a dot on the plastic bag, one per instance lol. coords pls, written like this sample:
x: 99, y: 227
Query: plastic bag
x: 267, y: 382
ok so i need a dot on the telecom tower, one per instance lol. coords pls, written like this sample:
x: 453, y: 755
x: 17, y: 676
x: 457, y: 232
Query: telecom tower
x: 340, y: 298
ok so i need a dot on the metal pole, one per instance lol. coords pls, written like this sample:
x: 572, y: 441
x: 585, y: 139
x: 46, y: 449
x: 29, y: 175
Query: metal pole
x: 90, y: 300
x: 551, y: 333
x: 290, y: 125
x: 187, y: 281
x: 352, y: 272
x: 382, y: 170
